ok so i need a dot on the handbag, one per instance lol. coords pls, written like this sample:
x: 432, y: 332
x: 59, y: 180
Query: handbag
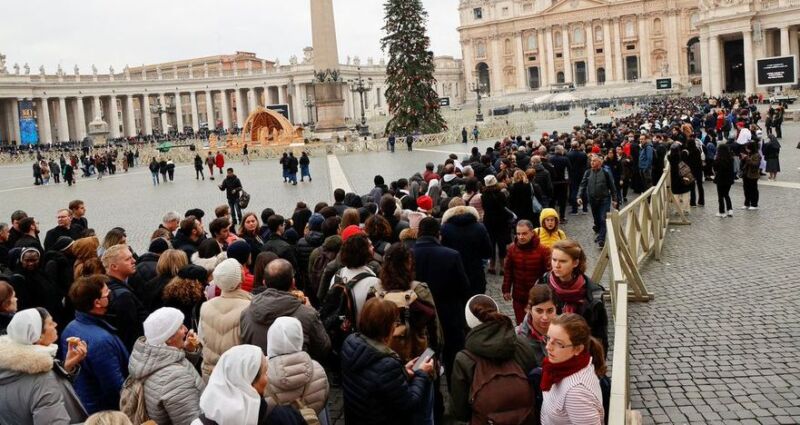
x: 537, y: 206
x: 511, y: 217
x: 244, y: 199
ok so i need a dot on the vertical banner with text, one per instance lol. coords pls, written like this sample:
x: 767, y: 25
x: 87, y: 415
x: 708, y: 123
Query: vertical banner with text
x: 29, y: 132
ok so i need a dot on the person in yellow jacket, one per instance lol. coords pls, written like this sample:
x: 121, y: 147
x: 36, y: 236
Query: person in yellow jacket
x: 549, y: 233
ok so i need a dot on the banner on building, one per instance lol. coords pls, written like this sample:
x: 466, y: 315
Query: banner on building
x: 282, y: 109
x: 663, y: 83
x: 776, y: 71
x: 28, y: 130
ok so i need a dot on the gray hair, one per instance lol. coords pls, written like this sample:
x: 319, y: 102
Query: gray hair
x: 525, y: 223
x: 170, y: 216
x: 3, y: 226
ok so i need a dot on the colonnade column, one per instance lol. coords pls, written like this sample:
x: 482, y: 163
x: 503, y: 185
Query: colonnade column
x: 179, y: 112
x: 97, y: 107
x: 81, y: 130
x: 130, y: 126
x: 714, y: 66
x: 210, y: 120
x: 15, y: 117
x: 281, y: 96
x: 705, y: 72
x: 114, y: 111
x: 785, y: 48
x: 164, y: 118
x: 251, y: 100
x: 544, y: 59
x: 148, y: 115
x: 749, y: 65
x: 519, y: 54
x: 566, y: 53
x: 608, y: 62
x: 63, y: 125
x: 644, y: 49
x: 239, y: 107
x: 619, y: 69
x: 551, y: 63
x: 44, y: 126
x: 195, y: 115
x: 226, y: 109
x: 592, y: 70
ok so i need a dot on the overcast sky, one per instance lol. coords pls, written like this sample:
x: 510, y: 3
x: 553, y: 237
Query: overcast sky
x: 119, y: 32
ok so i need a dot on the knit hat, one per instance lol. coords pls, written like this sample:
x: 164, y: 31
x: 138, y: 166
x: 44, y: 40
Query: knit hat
x: 425, y: 203
x: 161, y: 325
x: 315, y: 222
x: 158, y: 246
x: 239, y: 250
x: 228, y: 275
x: 62, y: 243
x: 473, y: 321
x: 351, y: 230
x: 490, y: 180
x: 193, y: 272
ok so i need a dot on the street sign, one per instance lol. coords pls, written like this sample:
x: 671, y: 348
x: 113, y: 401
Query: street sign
x: 776, y: 71
x: 444, y: 101
x: 663, y: 83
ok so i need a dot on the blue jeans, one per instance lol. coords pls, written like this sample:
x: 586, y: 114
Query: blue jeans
x: 573, y: 196
x: 304, y: 172
x: 155, y: 177
x: 236, y: 211
x: 600, y: 209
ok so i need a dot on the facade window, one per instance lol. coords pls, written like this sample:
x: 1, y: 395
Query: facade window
x: 507, y: 47
x: 598, y: 51
x: 378, y: 96
x: 559, y: 55
x: 504, y: 11
x: 598, y: 33
x: 533, y: 41
x: 577, y: 35
x: 480, y: 50
x: 477, y: 13
x: 630, y: 30
x: 658, y: 27
x: 557, y: 39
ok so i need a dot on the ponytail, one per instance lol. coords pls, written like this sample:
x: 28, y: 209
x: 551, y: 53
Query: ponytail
x: 598, y: 356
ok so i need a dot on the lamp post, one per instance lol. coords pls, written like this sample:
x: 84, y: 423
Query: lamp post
x: 361, y: 86
x: 478, y: 88
x: 309, y: 102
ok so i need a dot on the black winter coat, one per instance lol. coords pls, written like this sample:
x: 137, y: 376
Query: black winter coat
x: 375, y: 386
x: 145, y: 271
x: 495, y: 217
x: 463, y: 233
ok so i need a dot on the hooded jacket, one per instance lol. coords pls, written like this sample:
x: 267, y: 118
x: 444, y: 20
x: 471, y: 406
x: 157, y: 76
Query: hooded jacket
x: 145, y: 270
x: 495, y: 341
x: 523, y: 267
x: 375, y: 386
x: 545, y: 237
x: 34, y: 389
x: 305, y: 247
x: 271, y: 304
x: 219, y: 326
x: 462, y: 232
x: 172, y: 386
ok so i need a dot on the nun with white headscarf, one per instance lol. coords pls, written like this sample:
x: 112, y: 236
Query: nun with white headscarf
x: 235, y: 392
x: 35, y: 388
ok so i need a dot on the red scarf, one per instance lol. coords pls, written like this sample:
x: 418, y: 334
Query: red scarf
x: 532, y: 332
x: 572, y: 294
x: 553, y: 373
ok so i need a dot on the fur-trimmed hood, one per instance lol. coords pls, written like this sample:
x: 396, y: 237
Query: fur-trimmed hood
x: 208, y: 263
x: 460, y: 210
x: 18, y: 359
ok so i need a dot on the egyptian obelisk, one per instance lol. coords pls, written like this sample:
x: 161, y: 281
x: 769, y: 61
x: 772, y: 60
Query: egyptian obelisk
x: 328, y: 85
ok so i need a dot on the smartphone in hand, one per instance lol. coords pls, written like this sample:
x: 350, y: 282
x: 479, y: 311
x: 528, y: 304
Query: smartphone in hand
x: 426, y: 355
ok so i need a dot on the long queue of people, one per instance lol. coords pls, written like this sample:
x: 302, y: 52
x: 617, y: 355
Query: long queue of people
x: 381, y: 294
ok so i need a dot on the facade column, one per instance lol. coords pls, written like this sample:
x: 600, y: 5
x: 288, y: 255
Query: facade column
x: 44, y: 126
x: 81, y: 119
x: 17, y: 136
x: 251, y: 100
x: 130, y: 126
x: 785, y: 48
x: 705, y: 72
x: 644, y: 49
x: 469, y: 64
x: 551, y: 57
x: 496, y: 76
x: 793, y: 41
x: 522, y: 78
x: 239, y: 107
x: 714, y: 66
x: 544, y: 60
x: 226, y: 109
x: 749, y: 63
x: 164, y: 117
x: 97, y: 107
x: 148, y: 115
x: 281, y: 96
x: 591, y: 70
x: 210, y: 120
x: 566, y: 51
x: 619, y: 69
x: 63, y: 124
x: 179, y: 112
x: 608, y: 62
x: 674, y: 47
x: 114, y: 111
x: 195, y: 116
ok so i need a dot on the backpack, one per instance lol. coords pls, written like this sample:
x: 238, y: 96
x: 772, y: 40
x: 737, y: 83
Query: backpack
x: 686, y: 173
x: 409, y: 338
x: 308, y: 414
x: 132, y: 401
x: 338, y: 310
x: 500, y: 393
x: 317, y: 269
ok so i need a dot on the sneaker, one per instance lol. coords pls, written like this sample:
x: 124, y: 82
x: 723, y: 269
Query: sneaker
x: 753, y: 208
x: 720, y: 215
x: 730, y: 213
x: 573, y: 213
x: 744, y: 207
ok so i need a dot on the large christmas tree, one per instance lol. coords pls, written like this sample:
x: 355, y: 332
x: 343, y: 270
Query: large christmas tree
x: 413, y: 103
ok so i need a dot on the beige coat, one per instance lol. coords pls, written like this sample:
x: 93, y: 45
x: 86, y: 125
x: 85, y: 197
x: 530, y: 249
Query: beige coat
x: 219, y: 326
x: 295, y: 376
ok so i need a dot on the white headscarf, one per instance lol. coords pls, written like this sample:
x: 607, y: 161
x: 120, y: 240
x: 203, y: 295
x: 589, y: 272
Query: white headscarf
x: 285, y: 336
x: 25, y: 327
x: 229, y: 397
x: 473, y: 321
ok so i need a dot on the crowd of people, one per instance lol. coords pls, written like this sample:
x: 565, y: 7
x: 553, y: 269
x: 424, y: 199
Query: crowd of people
x: 251, y: 318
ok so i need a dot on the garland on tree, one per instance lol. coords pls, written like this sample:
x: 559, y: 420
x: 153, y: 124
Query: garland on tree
x: 413, y: 103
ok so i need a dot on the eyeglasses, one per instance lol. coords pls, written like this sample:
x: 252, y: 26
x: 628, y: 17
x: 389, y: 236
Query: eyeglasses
x: 558, y: 344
